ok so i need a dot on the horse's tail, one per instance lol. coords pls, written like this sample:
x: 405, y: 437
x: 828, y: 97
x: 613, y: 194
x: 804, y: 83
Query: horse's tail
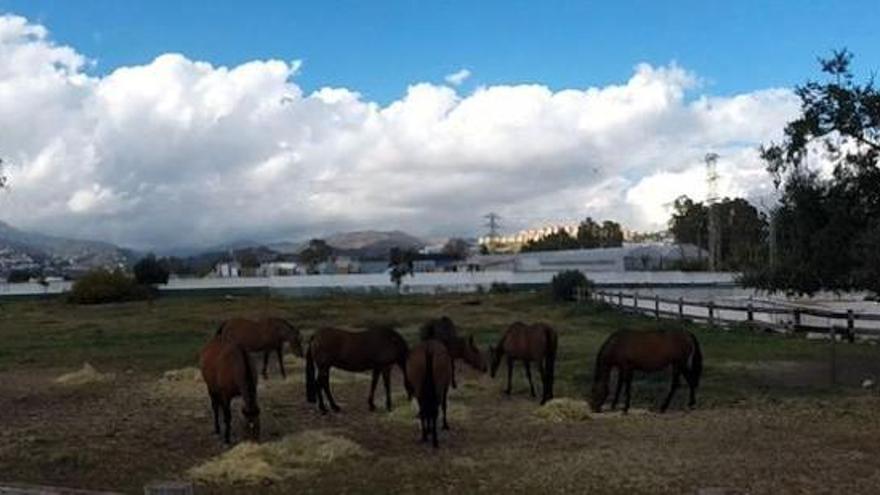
x: 220, y: 329
x: 311, y: 382
x: 695, y: 361
x: 549, y: 361
x: 600, y: 356
x: 430, y: 403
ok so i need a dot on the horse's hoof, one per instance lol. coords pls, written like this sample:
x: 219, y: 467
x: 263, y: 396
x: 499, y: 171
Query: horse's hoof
x: 446, y: 427
x: 371, y: 407
x: 335, y: 408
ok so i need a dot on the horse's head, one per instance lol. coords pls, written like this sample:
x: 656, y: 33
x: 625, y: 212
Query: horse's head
x: 252, y: 422
x: 494, y: 359
x: 292, y: 336
x: 473, y: 356
x: 600, y: 393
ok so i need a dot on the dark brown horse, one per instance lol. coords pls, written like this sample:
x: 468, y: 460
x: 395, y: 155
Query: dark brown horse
x: 228, y: 373
x: 629, y: 351
x: 429, y: 370
x: 444, y: 330
x: 377, y: 349
x: 266, y: 335
x: 528, y: 343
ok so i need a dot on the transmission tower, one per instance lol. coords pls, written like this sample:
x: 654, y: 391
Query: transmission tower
x: 494, y: 224
x: 712, y: 203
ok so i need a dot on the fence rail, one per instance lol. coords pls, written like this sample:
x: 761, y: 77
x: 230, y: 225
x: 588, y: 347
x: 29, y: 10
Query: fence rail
x: 848, y: 324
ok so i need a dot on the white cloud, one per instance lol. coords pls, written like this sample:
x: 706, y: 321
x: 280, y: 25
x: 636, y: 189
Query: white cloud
x: 182, y: 152
x: 458, y: 77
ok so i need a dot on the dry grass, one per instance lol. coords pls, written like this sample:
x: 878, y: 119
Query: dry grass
x: 293, y: 456
x: 84, y: 376
x: 563, y: 410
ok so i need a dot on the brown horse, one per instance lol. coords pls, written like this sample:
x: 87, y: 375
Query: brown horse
x: 228, y: 373
x: 629, y: 351
x: 443, y: 329
x: 265, y: 335
x: 528, y: 343
x: 377, y: 349
x: 429, y: 369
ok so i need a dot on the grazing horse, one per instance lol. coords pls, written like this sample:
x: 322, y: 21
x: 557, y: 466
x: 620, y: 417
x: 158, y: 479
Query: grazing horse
x: 228, y: 373
x: 430, y: 372
x: 629, y: 351
x: 266, y: 335
x: 377, y: 349
x: 528, y: 343
x: 443, y: 329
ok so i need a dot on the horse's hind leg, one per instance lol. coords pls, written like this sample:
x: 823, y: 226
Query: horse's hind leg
x: 227, y: 420
x: 676, y: 380
x: 370, y: 403
x: 452, y: 366
x: 320, y: 390
x: 434, y: 432
x: 386, y: 380
x: 215, y: 407
x: 627, y: 378
x: 445, y: 422
x: 509, y: 374
x: 545, y: 388
x: 325, y: 381
x: 617, y: 389
x: 529, y: 376
x: 692, y: 384
x: 280, y: 353
x: 266, y: 365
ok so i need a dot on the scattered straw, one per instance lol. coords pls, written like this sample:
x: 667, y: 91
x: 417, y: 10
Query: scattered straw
x: 563, y: 410
x: 182, y: 375
x: 86, y: 375
x: 293, y: 456
x: 180, y: 383
x: 409, y: 413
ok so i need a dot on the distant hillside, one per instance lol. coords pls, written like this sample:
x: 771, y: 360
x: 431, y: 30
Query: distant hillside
x: 62, y: 251
x: 372, y: 243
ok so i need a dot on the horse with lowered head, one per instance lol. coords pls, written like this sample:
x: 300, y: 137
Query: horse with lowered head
x: 377, y: 348
x: 629, y: 351
x: 429, y: 369
x: 443, y: 330
x: 228, y: 373
x: 266, y: 335
x: 528, y: 343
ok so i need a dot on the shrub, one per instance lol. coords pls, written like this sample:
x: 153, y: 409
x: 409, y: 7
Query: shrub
x: 19, y: 276
x: 499, y: 288
x: 564, y: 283
x: 104, y: 286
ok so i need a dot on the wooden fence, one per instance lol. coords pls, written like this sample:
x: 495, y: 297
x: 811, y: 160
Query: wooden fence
x: 848, y: 325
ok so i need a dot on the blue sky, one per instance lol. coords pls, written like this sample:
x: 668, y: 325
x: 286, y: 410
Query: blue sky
x: 379, y: 48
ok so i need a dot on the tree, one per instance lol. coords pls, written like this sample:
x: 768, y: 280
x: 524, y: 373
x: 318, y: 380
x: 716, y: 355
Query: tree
x: 19, y: 276
x: 743, y: 230
x: 401, y: 263
x: 318, y: 251
x: 555, y: 241
x: 149, y: 271
x: 3, y: 178
x: 456, y: 247
x: 827, y: 228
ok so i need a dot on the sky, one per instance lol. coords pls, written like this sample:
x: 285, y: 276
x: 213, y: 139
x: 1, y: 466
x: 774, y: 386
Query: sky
x: 159, y: 124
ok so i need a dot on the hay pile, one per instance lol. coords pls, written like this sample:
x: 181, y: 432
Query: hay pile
x: 182, y: 375
x: 563, y: 410
x: 86, y: 375
x: 180, y: 383
x: 293, y: 456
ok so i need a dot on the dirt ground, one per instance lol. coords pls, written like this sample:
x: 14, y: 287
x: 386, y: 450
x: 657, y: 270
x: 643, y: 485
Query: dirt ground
x: 761, y: 427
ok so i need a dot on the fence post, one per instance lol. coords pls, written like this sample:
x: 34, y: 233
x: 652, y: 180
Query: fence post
x: 619, y: 299
x: 850, y: 326
x: 711, y: 307
x: 636, y: 302
x: 657, y: 306
x: 680, y: 308
x: 796, y: 315
x: 751, y: 313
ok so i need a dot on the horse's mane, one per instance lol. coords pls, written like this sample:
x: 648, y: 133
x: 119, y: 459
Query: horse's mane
x: 249, y: 380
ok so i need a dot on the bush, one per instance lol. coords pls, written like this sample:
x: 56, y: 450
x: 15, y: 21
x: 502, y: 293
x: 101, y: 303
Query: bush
x: 150, y: 271
x: 563, y: 285
x: 105, y: 286
x: 499, y: 288
x: 19, y: 276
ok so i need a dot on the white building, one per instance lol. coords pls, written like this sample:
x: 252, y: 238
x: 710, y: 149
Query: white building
x: 279, y: 269
x: 227, y: 269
